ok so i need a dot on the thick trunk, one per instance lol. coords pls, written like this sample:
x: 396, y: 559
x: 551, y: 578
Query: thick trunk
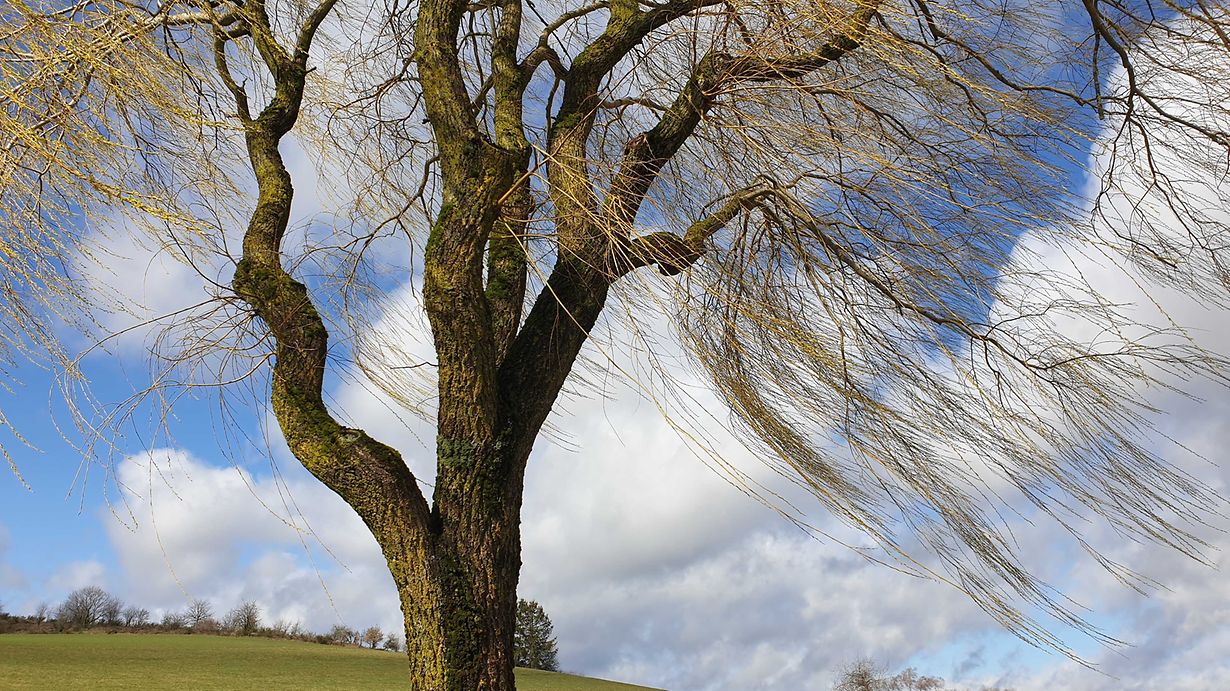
x: 459, y: 602
x: 455, y: 563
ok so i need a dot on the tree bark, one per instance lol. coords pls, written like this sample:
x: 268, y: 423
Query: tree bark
x: 460, y: 612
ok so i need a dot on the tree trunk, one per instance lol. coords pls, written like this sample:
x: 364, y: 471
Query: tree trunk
x: 459, y: 594
x: 455, y: 562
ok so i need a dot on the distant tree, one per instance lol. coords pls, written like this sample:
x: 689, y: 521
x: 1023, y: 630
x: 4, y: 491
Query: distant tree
x: 244, y: 620
x: 86, y: 607
x: 372, y: 636
x: 135, y: 616
x: 113, y: 612
x: 198, y: 611
x: 42, y: 612
x: 533, y: 643
x: 174, y: 620
x: 207, y: 625
x: 296, y: 630
x: 865, y: 675
x: 392, y: 642
x: 341, y: 634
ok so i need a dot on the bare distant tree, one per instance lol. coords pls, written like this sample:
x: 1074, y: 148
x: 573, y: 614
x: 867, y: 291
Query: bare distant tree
x: 392, y: 642
x: 135, y: 616
x: 244, y: 620
x: 173, y: 620
x: 208, y: 625
x: 198, y: 611
x: 864, y: 675
x: 87, y: 607
x: 42, y: 612
x: 113, y: 613
x: 824, y: 197
x: 372, y: 636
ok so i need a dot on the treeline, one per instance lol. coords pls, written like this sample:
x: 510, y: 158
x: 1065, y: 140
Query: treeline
x: 92, y: 609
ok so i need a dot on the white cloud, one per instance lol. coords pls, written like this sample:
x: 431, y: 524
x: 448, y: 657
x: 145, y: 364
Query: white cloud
x: 77, y: 574
x: 222, y: 534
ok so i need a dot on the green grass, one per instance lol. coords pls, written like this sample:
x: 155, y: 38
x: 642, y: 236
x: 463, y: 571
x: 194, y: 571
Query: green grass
x: 167, y: 661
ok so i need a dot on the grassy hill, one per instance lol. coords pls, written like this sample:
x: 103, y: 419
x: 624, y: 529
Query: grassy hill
x: 168, y: 661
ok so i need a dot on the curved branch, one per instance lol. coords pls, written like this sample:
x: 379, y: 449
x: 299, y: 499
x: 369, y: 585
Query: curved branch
x: 646, y: 154
x: 372, y: 477
x: 672, y: 253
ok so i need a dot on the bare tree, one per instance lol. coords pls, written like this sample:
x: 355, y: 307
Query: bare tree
x: 87, y: 607
x: 173, y: 620
x: 199, y: 610
x: 135, y: 616
x: 864, y: 675
x: 831, y: 193
x: 244, y: 620
x: 42, y: 612
x: 392, y: 642
x: 113, y: 613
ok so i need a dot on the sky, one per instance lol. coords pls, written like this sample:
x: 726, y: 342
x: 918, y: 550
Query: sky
x: 653, y: 568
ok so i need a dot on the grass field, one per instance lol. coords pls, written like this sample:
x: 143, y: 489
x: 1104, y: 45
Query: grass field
x: 168, y: 661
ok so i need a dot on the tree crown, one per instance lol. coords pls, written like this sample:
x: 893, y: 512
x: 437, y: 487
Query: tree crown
x: 840, y: 188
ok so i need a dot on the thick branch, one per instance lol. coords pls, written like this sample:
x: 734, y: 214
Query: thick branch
x: 370, y: 476
x: 448, y: 104
x: 571, y: 190
x: 540, y: 358
x: 646, y: 154
x: 673, y: 254
x: 509, y: 79
x: 476, y: 177
x: 507, y: 266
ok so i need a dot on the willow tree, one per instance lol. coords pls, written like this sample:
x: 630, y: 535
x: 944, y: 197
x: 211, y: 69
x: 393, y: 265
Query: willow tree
x: 825, y: 197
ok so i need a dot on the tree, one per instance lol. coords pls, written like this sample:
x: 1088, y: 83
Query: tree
x: 173, y: 620
x: 865, y: 676
x: 392, y: 642
x: 244, y: 620
x: 341, y: 634
x: 113, y: 612
x: 372, y: 636
x: 533, y: 643
x: 831, y: 191
x: 87, y: 607
x: 42, y: 612
x: 135, y: 616
x: 198, y: 612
